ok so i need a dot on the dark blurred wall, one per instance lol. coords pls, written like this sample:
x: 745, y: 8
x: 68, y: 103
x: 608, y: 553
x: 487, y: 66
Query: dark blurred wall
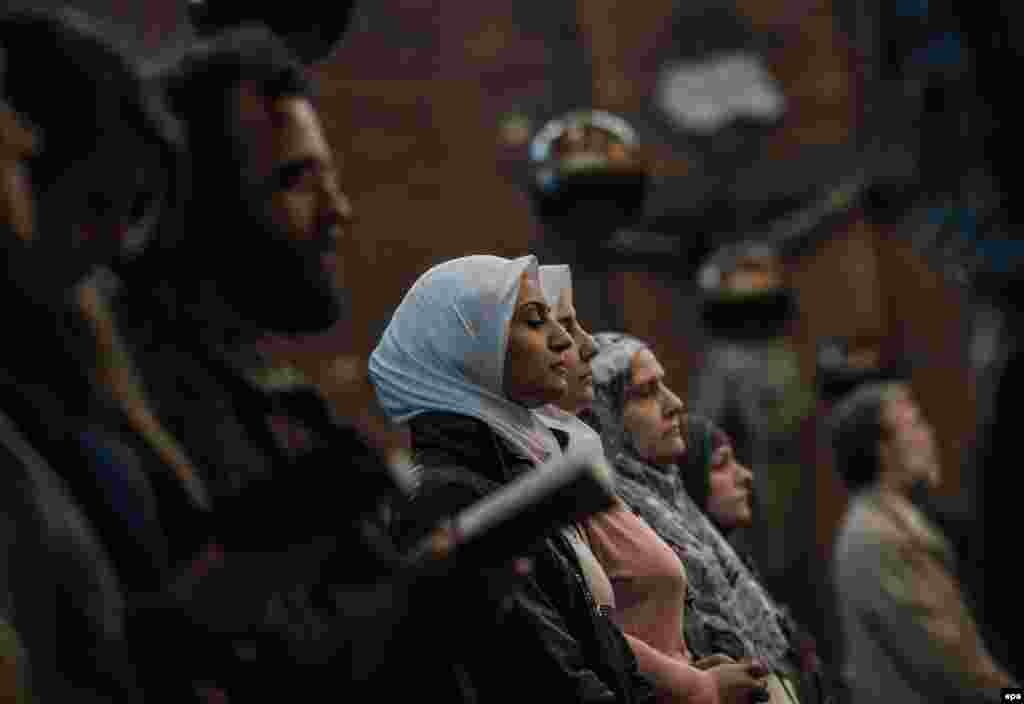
x: 413, y: 103
x: 147, y: 26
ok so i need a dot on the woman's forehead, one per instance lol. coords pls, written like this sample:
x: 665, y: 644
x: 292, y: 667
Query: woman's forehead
x: 529, y: 290
x: 565, y: 309
x: 645, y: 367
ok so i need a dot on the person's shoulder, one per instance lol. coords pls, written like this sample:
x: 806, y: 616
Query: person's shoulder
x: 449, y: 477
x: 24, y: 471
x: 866, y: 532
x: 866, y: 516
x: 465, y: 446
x: 439, y: 491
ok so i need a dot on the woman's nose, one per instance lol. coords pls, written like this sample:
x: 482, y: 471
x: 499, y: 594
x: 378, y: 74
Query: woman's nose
x: 588, y: 347
x: 746, y: 476
x: 560, y: 340
x: 671, y: 404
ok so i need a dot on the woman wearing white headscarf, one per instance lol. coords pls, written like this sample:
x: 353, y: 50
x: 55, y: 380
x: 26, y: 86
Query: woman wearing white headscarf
x: 556, y: 283
x: 470, y: 351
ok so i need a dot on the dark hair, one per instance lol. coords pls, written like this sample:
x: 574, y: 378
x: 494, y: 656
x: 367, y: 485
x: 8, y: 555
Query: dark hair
x: 78, y: 89
x: 311, y: 29
x: 855, y: 428
x: 703, y: 438
x: 199, y: 88
x: 67, y: 77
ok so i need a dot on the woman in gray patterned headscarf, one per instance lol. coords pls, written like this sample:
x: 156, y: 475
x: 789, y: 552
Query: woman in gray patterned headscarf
x: 728, y: 611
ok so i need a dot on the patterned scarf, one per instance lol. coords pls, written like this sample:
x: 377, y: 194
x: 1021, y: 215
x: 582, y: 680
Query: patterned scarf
x: 728, y: 611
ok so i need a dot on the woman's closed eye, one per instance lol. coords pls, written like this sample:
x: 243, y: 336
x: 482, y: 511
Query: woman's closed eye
x: 648, y: 390
x: 536, y: 315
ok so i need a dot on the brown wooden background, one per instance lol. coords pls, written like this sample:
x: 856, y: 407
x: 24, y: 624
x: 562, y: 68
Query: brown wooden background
x: 420, y: 153
x: 412, y: 104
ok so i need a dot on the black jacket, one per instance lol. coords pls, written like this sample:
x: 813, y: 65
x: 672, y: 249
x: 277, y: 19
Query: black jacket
x: 59, y: 582
x: 549, y: 642
x: 309, y: 599
x: 57, y: 585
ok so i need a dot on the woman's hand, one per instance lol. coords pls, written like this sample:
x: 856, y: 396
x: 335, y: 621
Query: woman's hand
x: 713, y: 661
x: 741, y: 683
x: 807, y: 650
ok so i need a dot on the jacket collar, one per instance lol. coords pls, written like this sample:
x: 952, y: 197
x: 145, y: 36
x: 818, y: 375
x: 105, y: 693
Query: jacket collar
x: 450, y: 438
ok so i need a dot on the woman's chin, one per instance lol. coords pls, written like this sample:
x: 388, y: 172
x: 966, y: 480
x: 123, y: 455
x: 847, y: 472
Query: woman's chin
x: 552, y: 394
x: 662, y: 460
x: 675, y: 447
x: 744, y: 520
x: 580, y: 407
x: 557, y: 389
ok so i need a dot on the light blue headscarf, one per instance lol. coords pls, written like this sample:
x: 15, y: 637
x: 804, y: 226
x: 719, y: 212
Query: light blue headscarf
x: 444, y: 350
x: 556, y: 283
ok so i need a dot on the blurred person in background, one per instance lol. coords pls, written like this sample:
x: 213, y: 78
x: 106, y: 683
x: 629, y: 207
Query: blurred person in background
x: 716, y: 481
x: 297, y: 588
x: 909, y: 634
x: 16, y: 143
x: 749, y: 384
x: 78, y: 517
x: 723, y: 489
x: 647, y: 578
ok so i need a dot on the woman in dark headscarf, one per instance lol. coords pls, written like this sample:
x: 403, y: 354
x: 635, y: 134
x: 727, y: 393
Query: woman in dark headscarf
x: 728, y: 609
x: 714, y: 478
x: 723, y: 489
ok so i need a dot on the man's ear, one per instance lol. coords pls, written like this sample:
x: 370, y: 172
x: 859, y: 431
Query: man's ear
x: 252, y: 108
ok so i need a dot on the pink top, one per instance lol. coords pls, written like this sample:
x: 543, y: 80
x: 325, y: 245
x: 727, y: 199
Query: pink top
x: 650, y: 587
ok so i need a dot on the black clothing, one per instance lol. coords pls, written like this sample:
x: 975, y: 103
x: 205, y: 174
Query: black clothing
x: 553, y: 643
